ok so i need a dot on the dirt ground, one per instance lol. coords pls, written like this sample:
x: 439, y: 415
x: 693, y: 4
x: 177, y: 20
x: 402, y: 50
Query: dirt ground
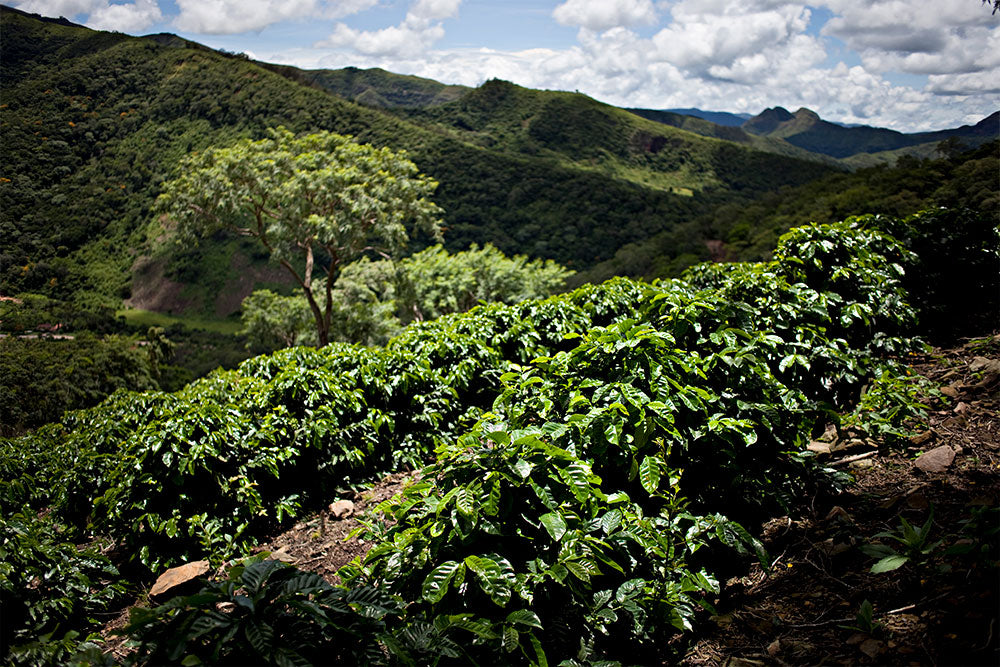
x: 940, y: 608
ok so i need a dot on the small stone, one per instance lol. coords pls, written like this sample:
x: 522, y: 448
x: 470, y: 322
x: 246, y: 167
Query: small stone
x: 961, y: 408
x: 957, y: 421
x: 872, y: 647
x: 723, y: 621
x: 820, y: 448
x: 936, y: 460
x: 988, y: 380
x: 176, y: 576
x: 921, y: 438
x: 832, y: 548
x: 985, y: 364
x: 830, y: 434
x: 863, y: 464
x: 282, y: 555
x: 774, y: 648
x: 838, y: 512
x: 950, y: 391
x: 342, y: 509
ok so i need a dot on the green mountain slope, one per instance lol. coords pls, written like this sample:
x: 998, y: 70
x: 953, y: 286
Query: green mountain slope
x: 381, y: 89
x: 592, y: 136
x: 737, y: 134
x: 746, y: 230
x: 94, y: 122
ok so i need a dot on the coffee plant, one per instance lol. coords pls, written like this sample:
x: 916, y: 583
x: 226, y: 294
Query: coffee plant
x: 592, y: 460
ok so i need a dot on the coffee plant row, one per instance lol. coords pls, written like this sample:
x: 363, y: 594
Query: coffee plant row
x: 589, y: 455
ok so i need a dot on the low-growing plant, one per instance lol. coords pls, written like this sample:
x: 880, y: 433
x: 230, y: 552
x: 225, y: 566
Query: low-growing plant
x: 514, y: 544
x: 864, y: 620
x: 890, y: 404
x: 265, y: 612
x: 51, y: 591
x: 914, y: 545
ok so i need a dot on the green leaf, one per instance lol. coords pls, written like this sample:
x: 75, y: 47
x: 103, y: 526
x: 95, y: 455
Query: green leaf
x: 465, y: 502
x: 649, y: 474
x: 491, y: 578
x: 578, y: 570
x: 889, y: 564
x: 510, y: 640
x: 555, y: 524
x: 525, y: 617
x: 611, y: 520
x: 575, y: 474
x: 437, y: 582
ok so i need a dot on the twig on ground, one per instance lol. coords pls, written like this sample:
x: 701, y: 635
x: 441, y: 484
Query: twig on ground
x: 856, y: 457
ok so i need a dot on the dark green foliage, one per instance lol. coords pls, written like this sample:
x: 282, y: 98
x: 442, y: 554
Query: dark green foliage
x: 264, y: 613
x: 376, y: 87
x: 567, y: 503
x: 41, y: 378
x: 96, y: 122
x: 749, y: 229
x: 50, y: 590
x: 593, y: 450
x: 953, y: 277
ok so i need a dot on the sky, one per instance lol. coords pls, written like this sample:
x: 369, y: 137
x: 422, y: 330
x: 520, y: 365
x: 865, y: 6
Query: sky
x: 903, y: 64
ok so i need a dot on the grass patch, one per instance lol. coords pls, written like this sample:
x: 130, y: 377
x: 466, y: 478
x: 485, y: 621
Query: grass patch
x: 148, y: 318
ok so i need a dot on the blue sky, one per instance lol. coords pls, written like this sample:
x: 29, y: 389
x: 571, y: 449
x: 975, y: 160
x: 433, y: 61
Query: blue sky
x: 890, y: 63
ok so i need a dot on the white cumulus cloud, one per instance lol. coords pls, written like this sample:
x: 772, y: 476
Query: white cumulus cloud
x: 600, y: 15
x: 101, y: 14
x: 125, y: 17
x: 415, y: 35
x: 949, y: 38
x: 228, y: 17
x: 67, y: 8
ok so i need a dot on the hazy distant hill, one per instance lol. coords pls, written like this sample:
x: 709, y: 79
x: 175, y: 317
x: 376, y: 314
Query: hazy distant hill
x: 94, y: 122
x: 804, y: 134
x: 376, y: 87
x: 807, y: 130
x: 717, y: 117
x: 707, y: 128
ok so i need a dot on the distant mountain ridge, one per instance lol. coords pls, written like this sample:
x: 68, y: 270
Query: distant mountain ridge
x: 724, y: 118
x: 807, y: 130
x: 856, y: 145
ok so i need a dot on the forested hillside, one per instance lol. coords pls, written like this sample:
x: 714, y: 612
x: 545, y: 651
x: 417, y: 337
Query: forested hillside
x: 747, y: 229
x: 94, y: 122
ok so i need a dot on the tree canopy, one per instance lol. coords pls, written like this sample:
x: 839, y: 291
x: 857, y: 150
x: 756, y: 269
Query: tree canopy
x: 372, y: 301
x: 316, y: 202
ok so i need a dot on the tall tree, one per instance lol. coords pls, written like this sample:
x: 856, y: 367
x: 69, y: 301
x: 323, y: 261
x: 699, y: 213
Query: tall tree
x: 316, y: 202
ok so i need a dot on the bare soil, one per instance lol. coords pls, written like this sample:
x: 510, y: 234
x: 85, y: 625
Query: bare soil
x: 941, y: 609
